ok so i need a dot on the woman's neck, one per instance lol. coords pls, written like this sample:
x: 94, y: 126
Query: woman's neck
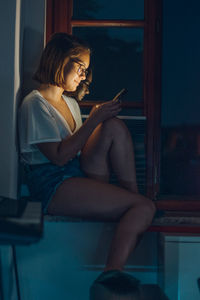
x: 51, y: 93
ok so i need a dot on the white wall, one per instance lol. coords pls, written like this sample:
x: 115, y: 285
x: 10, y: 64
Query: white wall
x: 33, y: 37
x: 10, y: 82
x: 71, y: 255
x: 22, y: 39
x: 181, y: 267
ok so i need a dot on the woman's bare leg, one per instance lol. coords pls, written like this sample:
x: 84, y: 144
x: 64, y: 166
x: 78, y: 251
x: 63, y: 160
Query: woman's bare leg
x: 102, y: 201
x: 110, y: 142
x: 96, y: 199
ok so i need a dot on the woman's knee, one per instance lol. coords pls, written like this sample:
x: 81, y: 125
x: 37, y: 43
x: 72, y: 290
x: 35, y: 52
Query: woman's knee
x: 150, y: 208
x: 140, y: 215
x: 145, y: 206
x: 115, y: 127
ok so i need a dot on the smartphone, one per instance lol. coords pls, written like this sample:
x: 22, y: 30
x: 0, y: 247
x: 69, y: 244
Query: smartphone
x: 119, y: 95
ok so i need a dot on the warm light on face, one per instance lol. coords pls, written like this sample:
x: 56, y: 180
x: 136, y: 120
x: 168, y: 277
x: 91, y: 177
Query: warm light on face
x: 75, y: 71
x: 81, y: 70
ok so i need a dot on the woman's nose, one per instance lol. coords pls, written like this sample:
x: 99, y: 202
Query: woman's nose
x: 82, y: 77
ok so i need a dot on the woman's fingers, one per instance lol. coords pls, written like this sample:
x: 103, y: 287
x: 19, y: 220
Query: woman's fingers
x: 111, y: 105
x: 112, y: 111
x: 106, y: 110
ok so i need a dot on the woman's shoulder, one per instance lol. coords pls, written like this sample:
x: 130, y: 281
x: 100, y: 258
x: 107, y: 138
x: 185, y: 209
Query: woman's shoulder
x: 34, y: 99
x: 34, y: 105
x: 32, y: 96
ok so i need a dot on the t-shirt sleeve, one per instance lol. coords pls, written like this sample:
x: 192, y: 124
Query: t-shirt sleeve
x: 39, y: 124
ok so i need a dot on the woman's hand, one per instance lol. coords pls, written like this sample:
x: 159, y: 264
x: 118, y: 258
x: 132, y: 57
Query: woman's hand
x: 105, y: 110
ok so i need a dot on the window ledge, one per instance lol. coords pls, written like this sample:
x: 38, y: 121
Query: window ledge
x: 178, y: 203
x: 167, y: 222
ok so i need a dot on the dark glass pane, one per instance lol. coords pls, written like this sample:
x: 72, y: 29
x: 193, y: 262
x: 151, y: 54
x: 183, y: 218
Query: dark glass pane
x: 117, y: 61
x: 104, y: 9
x: 180, y: 165
x: 180, y: 162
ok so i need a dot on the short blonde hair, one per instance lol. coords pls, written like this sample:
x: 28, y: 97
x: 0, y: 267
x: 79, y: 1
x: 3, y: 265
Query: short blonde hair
x: 56, y: 55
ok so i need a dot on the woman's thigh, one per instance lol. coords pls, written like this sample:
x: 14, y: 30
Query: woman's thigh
x: 89, y: 198
x: 109, y: 143
x: 94, y: 155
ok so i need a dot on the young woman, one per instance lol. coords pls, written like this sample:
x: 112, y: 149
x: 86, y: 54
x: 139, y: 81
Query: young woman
x: 67, y: 162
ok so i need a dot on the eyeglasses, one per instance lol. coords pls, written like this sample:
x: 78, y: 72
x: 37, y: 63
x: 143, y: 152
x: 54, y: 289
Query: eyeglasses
x: 81, y: 69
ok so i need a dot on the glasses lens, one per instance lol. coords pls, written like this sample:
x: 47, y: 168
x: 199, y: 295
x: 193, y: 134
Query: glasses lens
x: 82, y: 71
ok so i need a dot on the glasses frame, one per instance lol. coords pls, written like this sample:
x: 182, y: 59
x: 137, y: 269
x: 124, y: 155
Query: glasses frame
x: 81, y: 69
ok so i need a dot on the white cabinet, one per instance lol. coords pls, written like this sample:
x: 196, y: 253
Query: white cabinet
x: 181, y: 266
x: 71, y: 255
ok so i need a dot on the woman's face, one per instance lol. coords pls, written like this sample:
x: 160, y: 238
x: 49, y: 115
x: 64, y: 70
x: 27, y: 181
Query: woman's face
x: 75, y: 71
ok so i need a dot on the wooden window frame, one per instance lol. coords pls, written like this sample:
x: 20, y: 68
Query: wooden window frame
x: 59, y: 19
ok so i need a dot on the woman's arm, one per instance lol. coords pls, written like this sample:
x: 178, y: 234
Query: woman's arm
x: 60, y: 153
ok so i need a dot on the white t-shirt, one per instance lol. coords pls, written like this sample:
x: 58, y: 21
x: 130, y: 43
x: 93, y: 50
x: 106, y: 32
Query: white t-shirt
x: 40, y: 122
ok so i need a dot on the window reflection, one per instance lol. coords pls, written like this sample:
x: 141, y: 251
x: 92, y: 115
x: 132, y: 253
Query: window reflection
x: 117, y: 61
x: 180, y: 165
x: 181, y: 160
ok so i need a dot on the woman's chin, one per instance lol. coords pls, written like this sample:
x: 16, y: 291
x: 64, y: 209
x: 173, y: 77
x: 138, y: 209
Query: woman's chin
x: 71, y: 89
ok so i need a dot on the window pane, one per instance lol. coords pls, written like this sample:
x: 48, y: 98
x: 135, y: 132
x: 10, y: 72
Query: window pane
x: 103, y: 9
x: 180, y: 170
x: 117, y: 61
x: 180, y: 165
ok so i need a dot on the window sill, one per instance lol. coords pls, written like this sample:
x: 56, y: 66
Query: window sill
x: 178, y: 203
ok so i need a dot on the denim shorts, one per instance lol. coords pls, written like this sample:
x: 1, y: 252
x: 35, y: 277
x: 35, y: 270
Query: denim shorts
x: 43, y: 180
